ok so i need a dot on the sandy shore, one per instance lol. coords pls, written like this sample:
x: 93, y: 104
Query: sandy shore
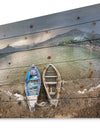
x: 71, y: 103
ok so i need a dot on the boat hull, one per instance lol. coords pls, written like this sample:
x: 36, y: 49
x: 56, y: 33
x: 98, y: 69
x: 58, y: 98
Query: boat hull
x: 32, y: 87
x: 52, y: 84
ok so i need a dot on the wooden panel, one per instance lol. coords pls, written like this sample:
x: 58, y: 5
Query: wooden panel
x: 69, y: 40
x: 73, y: 71
x: 71, y: 108
x: 43, y: 23
x: 77, y: 33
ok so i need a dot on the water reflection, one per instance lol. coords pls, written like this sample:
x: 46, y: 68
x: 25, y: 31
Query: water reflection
x: 69, y: 60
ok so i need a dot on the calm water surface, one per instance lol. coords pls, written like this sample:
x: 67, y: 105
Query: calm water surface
x: 69, y: 60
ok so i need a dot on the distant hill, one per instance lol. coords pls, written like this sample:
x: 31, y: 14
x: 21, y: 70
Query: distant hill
x: 7, y: 49
x: 74, y: 34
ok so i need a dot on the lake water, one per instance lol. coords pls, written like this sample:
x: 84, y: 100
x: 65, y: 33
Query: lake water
x: 72, y: 62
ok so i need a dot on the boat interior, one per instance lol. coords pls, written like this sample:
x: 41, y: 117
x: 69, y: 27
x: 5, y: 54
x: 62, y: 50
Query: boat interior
x: 51, y: 81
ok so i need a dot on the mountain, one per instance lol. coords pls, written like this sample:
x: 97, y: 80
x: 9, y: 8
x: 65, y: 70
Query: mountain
x: 74, y: 34
x: 7, y: 49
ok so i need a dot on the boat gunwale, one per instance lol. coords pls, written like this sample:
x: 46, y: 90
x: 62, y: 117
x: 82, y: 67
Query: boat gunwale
x: 58, y: 88
x: 27, y: 97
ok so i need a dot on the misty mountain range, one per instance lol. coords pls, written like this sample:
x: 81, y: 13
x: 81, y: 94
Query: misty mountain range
x: 74, y: 34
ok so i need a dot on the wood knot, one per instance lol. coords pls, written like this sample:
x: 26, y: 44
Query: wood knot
x: 78, y: 17
x: 49, y: 57
x: 31, y: 26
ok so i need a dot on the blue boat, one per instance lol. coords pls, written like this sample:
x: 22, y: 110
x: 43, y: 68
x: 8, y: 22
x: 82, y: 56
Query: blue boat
x: 32, y: 86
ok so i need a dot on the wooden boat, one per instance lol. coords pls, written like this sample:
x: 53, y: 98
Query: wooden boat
x: 52, y: 84
x: 32, y: 87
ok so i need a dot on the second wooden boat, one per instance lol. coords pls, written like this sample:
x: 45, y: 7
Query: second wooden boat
x: 52, y: 84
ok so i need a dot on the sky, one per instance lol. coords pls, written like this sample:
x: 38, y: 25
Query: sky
x: 17, y: 10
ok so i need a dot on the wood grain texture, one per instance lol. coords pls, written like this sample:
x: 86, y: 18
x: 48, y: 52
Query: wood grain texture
x: 77, y: 33
x: 24, y: 43
x: 52, y: 21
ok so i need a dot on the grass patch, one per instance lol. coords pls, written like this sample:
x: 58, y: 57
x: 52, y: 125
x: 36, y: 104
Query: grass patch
x: 66, y: 41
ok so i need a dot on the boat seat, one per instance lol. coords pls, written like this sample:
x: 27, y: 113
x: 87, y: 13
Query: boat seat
x: 51, y: 83
x: 34, y: 85
x: 52, y: 93
x: 34, y: 74
x: 50, y: 71
x: 50, y: 76
x: 33, y: 90
x: 33, y: 78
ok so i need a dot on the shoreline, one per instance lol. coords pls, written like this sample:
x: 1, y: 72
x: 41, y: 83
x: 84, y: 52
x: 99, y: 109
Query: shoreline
x: 88, y: 46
